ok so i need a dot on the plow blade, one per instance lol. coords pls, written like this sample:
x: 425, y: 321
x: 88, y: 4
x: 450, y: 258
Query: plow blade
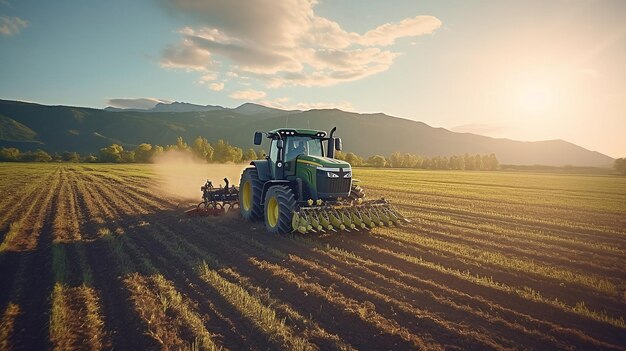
x: 212, y: 209
x: 354, y: 216
x: 216, y: 201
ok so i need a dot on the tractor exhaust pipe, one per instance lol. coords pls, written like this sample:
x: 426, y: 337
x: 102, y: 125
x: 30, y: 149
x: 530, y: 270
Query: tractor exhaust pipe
x: 330, y: 153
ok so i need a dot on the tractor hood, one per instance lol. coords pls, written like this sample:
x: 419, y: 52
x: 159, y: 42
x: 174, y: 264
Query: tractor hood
x: 320, y: 161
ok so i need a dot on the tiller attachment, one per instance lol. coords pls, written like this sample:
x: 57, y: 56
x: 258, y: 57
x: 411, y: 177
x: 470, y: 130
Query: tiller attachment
x: 345, y: 216
x: 216, y: 201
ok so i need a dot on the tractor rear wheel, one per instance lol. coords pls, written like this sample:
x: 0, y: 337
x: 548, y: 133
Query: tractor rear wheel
x: 250, y: 191
x: 279, y: 205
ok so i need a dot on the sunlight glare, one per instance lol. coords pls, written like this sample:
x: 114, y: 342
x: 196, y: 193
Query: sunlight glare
x: 535, y: 98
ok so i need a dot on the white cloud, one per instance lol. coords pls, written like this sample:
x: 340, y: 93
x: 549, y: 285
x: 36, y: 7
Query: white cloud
x: 216, y: 86
x: 284, y: 43
x: 248, y: 94
x: 137, y: 103
x: 388, y: 33
x: 210, y: 76
x: 185, y: 55
x: 10, y: 26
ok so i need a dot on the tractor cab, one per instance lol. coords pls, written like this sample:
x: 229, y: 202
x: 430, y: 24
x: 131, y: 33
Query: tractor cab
x: 287, y: 145
x: 305, y: 158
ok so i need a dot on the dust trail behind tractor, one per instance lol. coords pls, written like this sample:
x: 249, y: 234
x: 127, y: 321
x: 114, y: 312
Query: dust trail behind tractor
x: 216, y: 201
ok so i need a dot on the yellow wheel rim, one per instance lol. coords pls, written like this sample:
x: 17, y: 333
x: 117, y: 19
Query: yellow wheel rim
x: 247, y: 196
x: 272, y: 212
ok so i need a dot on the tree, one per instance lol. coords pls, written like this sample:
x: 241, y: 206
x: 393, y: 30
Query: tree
x: 410, y: 160
x: 250, y: 155
x: 90, y: 158
x: 444, y: 163
x: 143, y: 153
x: 202, y: 149
x: 224, y: 152
x: 340, y: 156
x: 492, y: 162
x: 478, y: 163
x: 181, y: 145
x: 377, y: 161
x: 261, y: 153
x: 469, y: 161
x: 353, y: 159
x: 461, y: 164
x: 620, y: 165
x: 396, y: 159
x: 128, y: 156
x: 112, y: 154
x: 42, y: 156
x: 454, y: 162
x: 10, y: 154
x: 57, y: 157
x: 157, y: 150
x: 37, y: 156
x: 70, y: 157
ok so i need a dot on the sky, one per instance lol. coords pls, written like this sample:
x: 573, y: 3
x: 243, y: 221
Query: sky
x: 524, y: 70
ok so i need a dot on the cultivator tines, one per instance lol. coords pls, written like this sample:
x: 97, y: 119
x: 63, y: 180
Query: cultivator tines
x: 353, y: 216
x: 216, y: 201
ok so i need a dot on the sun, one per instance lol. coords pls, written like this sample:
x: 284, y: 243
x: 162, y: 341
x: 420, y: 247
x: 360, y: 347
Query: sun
x: 535, y: 98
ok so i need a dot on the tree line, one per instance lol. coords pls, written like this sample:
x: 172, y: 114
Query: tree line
x: 476, y: 162
x: 220, y: 152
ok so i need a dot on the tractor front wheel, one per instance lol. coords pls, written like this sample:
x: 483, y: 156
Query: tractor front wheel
x: 250, y: 191
x: 279, y: 205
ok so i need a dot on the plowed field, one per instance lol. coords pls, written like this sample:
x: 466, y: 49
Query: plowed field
x: 96, y: 257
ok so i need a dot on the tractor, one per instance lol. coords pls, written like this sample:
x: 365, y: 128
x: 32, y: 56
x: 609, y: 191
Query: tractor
x: 301, y: 187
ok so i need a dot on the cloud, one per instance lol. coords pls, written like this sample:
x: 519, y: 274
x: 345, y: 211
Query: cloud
x: 137, y: 103
x: 10, y: 26
x: 216, y: 86
x: 283, y: 43
x: 209, y: 76
x: 185, y: 55
x: 248, y: 94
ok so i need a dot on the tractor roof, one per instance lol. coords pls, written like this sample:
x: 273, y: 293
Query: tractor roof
x: 301, y: 132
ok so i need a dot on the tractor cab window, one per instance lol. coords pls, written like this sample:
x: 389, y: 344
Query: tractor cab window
x: 273, y: 151
x: 297, y: 145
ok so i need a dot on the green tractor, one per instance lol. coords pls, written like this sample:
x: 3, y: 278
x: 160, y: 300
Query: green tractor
x: 301, y: 187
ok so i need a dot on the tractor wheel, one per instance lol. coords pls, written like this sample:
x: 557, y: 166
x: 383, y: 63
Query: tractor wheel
x: 356, y: 193
x: 250, y: 189
x: 279, y: 205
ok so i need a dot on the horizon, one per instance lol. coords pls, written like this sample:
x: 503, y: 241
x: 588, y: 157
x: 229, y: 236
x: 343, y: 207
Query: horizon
x: 524, y: 71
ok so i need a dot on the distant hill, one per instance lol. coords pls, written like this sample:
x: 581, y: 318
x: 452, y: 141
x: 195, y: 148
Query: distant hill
x: 173, y: 107
x: 66, y: 128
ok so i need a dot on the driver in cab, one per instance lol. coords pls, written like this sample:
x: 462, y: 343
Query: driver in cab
x: 297, y: 147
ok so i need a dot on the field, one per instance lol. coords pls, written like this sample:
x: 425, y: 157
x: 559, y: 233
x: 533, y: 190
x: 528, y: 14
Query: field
x: 96, y: 257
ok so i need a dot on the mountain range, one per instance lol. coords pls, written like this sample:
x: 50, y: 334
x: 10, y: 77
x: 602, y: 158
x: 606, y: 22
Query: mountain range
x: 30, y: 126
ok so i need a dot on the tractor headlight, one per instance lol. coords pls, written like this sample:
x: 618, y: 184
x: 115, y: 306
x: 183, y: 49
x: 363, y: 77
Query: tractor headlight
x: 348, y: 175
x: 332, y: 175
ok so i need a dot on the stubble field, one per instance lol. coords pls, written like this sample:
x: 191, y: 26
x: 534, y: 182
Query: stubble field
x: 97, y: 257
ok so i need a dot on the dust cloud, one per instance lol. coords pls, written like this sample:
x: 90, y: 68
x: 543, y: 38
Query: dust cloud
x: 180, y: 175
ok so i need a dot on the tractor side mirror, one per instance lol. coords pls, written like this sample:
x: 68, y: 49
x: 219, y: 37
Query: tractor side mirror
x: 258, y: 138
x: 338, y: 144
x: 280, y: 144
